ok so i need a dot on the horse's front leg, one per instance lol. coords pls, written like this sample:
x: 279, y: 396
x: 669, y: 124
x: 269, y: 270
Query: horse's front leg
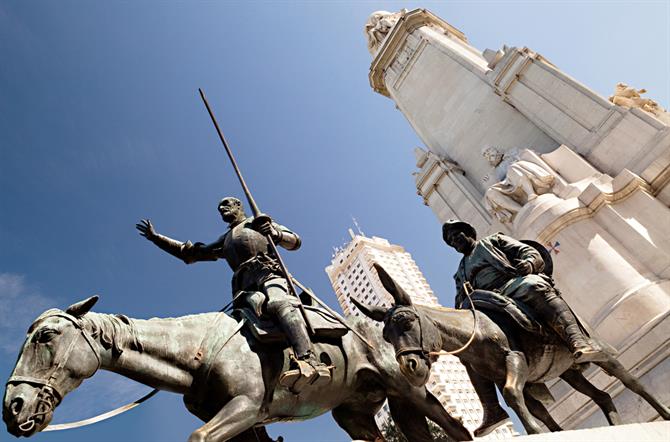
x: 238, y: 415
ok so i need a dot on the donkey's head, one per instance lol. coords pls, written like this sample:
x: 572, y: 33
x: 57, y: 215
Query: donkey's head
x: 56, y: 357
x: 412, y: 335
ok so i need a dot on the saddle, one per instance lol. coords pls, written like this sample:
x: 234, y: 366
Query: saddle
x: 485, y: 300
x: 267, y: 331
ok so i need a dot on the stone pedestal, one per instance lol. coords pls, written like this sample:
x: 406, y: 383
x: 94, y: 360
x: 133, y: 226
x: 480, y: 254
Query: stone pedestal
x: 648, y: 432
x: 605, y: 215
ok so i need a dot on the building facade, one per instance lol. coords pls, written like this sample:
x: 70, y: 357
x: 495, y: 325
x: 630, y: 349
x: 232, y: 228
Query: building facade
x: 352, y: 276
x: 586, y: 176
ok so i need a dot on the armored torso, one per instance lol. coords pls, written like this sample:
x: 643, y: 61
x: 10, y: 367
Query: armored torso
x: 241, y: 243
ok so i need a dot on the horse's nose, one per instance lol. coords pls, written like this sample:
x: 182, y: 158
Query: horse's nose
x: 412, y: 363
x: 15, y: 406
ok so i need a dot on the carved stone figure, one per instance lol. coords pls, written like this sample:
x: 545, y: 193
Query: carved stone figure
x: 228, y: 378
x: 378, y: 26
x: 498, y: 343
x: 257, y: 280
x: 519, y: 181
x: 493, y: 57
x: 629, y: 97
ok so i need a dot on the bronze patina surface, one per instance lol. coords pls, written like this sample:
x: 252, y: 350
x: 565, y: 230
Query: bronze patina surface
x: 233, y: 385
x: 512, y: 349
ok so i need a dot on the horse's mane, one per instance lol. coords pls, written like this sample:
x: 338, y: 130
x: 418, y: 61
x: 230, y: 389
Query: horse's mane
x: 117, y: 332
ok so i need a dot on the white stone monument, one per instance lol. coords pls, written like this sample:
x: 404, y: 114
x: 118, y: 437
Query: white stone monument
x: 516, y: 145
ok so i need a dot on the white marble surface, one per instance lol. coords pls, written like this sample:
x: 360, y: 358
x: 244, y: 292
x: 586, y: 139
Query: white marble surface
x: 652, y: 431
x: 608, y: 210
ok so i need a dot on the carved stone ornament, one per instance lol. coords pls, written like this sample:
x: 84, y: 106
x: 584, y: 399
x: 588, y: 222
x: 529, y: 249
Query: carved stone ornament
x: 629, y: 97
x: 520, y: 181
x: 378, y: 26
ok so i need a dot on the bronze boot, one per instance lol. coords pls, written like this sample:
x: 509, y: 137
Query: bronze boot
x: 566, y: 325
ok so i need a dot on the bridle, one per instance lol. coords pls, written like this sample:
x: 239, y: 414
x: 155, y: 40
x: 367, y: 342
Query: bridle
x: 50, y: 393
x: 421, y: 348
x: 436, y: 346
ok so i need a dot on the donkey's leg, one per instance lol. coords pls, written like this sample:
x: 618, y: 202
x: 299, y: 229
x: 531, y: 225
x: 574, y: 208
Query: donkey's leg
x: 577, y: 381
x: 494, y: 414
x: 538, y: 410
x: 614, y: 368
x: 411, y: 422
x: 429, y: 406
x: 517, y: 374
x: 357, y: 424
x: 238, y: 415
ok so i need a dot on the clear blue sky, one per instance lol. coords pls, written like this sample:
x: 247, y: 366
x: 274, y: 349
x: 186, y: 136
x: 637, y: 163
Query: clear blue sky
x: 101, y: 125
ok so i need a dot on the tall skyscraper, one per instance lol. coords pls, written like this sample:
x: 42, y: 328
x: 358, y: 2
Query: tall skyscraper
x: 352, y: 275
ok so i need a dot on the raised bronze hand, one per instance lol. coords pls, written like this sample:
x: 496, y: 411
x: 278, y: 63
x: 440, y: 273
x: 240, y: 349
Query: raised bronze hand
x: 146, y: 229
x: 524, y: 268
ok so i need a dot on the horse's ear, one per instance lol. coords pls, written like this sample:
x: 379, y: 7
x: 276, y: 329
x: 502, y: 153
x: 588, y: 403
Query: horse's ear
x: 80, y: 308
x: 399, y: 294
x: 373, y: 312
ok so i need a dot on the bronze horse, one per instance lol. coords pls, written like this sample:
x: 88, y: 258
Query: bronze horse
x: 501, y: 351
x: 232, y: 385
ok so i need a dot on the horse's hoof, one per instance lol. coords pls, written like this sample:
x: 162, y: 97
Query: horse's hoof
x: 491, y: 422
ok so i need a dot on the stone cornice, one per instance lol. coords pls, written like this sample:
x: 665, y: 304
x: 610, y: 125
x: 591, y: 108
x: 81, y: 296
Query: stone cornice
x: 405, y: 25
x: 593, y: 199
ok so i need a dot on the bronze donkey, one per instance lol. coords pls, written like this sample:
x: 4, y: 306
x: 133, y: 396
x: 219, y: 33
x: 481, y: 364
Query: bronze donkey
x: 500, y: 351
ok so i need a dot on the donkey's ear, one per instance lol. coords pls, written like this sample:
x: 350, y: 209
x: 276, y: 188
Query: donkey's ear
x: 375, y: 313
x: 399, y: 294
x: 80, y: 308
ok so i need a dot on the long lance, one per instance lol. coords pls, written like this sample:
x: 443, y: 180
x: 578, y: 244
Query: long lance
x: 257, y: 213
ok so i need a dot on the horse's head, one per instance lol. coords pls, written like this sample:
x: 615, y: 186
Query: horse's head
x: 412, y: 335
x: 56, y: 357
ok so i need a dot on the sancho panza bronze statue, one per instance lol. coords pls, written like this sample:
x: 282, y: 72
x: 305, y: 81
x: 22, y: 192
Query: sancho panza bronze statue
x: 502, y: 264
x: 513, y: 269
x: 257, y: 279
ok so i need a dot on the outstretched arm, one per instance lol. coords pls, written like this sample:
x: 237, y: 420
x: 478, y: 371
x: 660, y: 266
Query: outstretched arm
x: 187, y: 252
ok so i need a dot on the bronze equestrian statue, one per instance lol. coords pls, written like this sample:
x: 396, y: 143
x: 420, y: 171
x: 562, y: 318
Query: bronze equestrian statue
x: 515, y: 270
x: 228, y: 378
x: 513, y: 345
x: 257, y: 280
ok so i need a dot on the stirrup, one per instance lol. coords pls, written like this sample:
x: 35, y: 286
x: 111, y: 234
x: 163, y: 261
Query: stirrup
x: 307, y: 373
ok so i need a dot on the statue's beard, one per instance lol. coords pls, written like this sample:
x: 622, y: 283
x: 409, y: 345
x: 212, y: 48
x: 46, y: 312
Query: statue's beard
x: 232, y: 217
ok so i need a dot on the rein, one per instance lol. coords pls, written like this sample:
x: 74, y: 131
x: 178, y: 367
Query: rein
x: 475, y: 322
x: 48, y: 401
x: 427, y: 353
